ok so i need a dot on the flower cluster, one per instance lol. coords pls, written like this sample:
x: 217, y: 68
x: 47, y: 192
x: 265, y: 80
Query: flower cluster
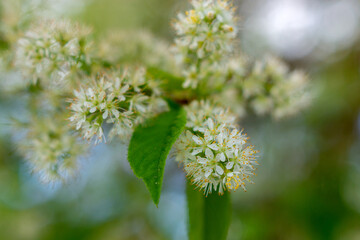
x: 52, y: 50
x: 204, y: 36
x: 58, y: 56
x: 124, y: 100
x: 270, y: 88
x: 129, y: 47
x: 51, y: 150
x: 206, y: 29
x: 214, y: 153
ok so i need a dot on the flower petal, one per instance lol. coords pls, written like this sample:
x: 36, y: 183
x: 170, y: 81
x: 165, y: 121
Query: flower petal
x: 92, y: 110
x: 201, y: 160
x: 196, y: 151
x: 105, y: 114
x: 229, y: 165
x: 209, y: 154
x: 208, y: 172
x: 220, y: 157
x: 213, y: 146
x: 210, y: 123
x: 219, y: 170
x: 197, y: 140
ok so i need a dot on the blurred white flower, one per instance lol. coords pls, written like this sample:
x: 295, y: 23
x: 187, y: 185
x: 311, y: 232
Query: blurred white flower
x: 52, y: 50
x: 271, y: 88
x: 267, y: 87
x: 51, y: 150
x: 136, y: 46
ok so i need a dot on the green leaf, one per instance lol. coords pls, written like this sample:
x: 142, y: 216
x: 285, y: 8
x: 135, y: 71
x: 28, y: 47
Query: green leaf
x: 172, y: 85
x: 169, y: 81
x: 151, y: 144
x: 208, y: 217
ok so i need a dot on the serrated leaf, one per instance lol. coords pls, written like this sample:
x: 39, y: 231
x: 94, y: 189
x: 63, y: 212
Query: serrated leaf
x: 208, y: 217
x: 151, y: 144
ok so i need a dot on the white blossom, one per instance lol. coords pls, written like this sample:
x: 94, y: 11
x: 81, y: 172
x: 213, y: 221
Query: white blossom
x: 206, y: 29
x: 51, y: 150
x: 52, y: 50
x: 205, y: 36
x: 264, y: 87
x: 136, y: 46
x: 114, y: 98
x: 271, y: 88
x: 215, y: 155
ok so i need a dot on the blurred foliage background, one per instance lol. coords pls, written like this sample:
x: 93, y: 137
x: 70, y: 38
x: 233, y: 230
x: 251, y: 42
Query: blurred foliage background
x: 308, y: 181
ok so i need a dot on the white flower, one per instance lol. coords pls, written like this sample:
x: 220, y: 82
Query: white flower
x: 214, y: 153
x: 204, y: 40
x: 117, y: 99
x: 272, y: 89
x: 51, y: 150
x: 265, y: 87
x: 208, y: 28
x: 51, y: 51
x: 197, y: 111
x: 136, y: 46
